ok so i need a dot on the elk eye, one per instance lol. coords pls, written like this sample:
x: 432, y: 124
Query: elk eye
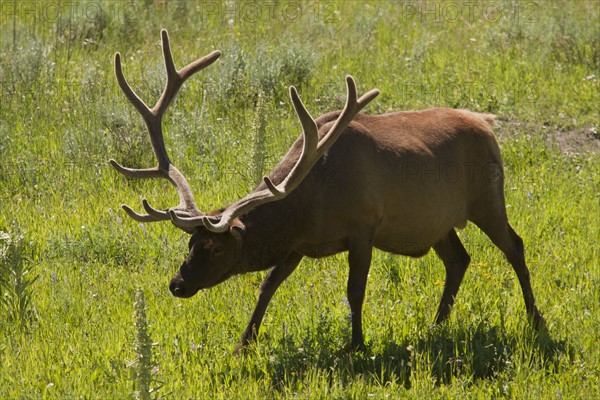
x: 218, y: 249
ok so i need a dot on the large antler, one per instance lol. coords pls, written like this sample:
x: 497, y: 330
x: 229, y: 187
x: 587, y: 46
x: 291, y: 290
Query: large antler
x: 312, y: 150
x: 153, y: 119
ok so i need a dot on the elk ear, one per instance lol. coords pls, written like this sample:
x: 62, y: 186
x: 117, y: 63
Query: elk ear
x: 237, y: 229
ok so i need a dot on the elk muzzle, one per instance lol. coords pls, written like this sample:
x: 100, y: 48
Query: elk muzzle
x: 178, y: 287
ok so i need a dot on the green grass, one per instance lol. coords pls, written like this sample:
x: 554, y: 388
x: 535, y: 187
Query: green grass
x: 534, y: 64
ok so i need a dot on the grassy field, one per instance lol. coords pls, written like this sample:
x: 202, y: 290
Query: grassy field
x: 86, y: 311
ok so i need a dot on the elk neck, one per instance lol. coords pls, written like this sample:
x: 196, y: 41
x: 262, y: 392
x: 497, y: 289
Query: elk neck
x: 271, y: 234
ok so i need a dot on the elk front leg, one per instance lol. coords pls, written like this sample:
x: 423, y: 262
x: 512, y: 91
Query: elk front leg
x: 359, y: 260
x: 269, y: 285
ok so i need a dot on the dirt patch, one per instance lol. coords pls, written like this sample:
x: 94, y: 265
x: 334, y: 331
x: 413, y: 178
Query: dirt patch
x: 581, y: 141
x: 577, y: 142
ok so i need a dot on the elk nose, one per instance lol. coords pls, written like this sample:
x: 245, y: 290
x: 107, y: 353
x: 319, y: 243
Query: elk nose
x: 176, y: 290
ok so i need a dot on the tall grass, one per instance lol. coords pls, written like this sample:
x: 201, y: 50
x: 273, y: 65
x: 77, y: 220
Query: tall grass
x: 81, y: 260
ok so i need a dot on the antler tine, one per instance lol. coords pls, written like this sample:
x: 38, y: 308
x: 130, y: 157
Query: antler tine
x: 134, y: 99
x: 136, y: 173
x: 175, y: 77
x: 136, y: 216
x: 167, y: 55
x: 159, y: 215
x: 352, y: 107
x: 153, y: 119
x: 310, y: 136
x: 312, y: 150
x: 309, y: 126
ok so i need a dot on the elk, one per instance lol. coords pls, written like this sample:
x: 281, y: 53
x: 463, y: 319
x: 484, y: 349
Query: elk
x: 400, y: 182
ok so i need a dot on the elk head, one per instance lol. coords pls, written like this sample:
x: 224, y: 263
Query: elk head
x: 216, y: 250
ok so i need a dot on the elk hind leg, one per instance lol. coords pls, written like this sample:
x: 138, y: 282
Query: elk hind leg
x: 456, y: 260
x: 511, y: 244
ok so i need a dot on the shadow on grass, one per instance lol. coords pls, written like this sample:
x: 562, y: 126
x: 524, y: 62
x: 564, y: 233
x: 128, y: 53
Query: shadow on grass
x: 445, y: 353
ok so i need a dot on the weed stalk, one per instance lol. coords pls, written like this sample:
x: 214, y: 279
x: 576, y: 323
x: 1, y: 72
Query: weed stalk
x: 17, y: 277
x: 143, y: 349
x: 259, y: 139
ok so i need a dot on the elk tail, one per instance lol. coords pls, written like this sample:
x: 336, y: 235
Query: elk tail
x: 490, y: 119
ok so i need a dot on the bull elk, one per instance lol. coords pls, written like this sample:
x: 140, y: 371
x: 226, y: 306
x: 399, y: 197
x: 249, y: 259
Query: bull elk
x: 400, y: 182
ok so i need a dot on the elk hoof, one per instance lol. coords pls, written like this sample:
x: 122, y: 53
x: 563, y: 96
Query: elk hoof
x: 355, y: 346
x: 539, y: 323
x: 241, y: 350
